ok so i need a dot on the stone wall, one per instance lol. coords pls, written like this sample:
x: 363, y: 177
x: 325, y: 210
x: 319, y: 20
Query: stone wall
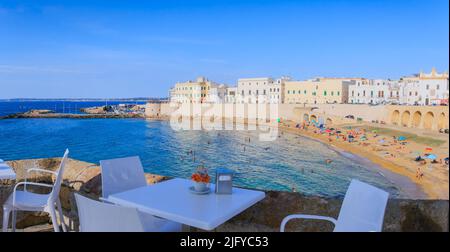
x: 84, y: 178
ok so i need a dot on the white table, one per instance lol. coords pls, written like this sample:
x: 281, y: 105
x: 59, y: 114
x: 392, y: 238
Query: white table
x: 6, y: 172
x: 172, y: 200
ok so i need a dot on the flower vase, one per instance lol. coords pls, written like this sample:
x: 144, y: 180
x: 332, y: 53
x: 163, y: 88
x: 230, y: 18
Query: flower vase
x: 200, y: 186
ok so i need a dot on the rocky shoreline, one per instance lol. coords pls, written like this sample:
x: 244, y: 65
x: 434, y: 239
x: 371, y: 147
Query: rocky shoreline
x: 84, y: 178
x: 71, y: 116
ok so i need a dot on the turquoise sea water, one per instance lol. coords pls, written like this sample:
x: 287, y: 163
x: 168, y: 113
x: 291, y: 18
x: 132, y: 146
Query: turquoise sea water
x: 290, y: 162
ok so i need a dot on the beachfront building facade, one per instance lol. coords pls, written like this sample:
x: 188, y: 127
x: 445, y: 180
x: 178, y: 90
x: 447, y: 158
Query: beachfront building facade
x: 425, y: 89
x: 317, y: 91
x: 201, y: 90
x: 254, y: 90
x: 366, y: 91
x: 217, y: 94
x: 276, y: 90
x: 231, y: 95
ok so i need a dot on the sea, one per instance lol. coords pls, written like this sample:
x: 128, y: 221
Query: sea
x: 289, y: 163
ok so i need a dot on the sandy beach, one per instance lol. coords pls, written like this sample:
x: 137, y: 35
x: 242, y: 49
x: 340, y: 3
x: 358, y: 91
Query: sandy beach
x: 391, y: 155
x: 383, y: 151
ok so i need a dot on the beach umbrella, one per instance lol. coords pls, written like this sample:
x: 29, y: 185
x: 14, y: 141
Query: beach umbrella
x: 328, y: 131
x: 401, y: 138
x: 382, y: 141
x: 338, y: 131
x: 431, y: 156
x: 374, y: 131
x: 428, y: 149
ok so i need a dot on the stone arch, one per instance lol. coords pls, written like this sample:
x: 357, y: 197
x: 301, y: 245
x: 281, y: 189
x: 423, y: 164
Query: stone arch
x: 329, y: 121
x: 313, y: 117
x: 416, y: 119
x: 442, y: 121
x: 395, y: 118
x: 406, y: 116
x: 428, y: 120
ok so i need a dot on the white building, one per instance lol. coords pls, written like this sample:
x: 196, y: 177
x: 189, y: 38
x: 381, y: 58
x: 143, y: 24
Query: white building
x: 217, y: 94
x: 201, y: 90
x: 231, y: 95
x: 425, y: 89
x: 254, y: 90
x: 276, y: 90
x: 374, y: 92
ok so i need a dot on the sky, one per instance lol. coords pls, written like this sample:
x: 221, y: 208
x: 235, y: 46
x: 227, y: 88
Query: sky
x: 124, y: 49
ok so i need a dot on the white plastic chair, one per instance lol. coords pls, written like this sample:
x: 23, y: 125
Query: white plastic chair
x: 362, y: 210
x: 28, y: 201
x: 95, y: 216
x: 124, y: 174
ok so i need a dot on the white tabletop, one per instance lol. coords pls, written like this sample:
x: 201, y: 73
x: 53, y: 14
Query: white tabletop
x: 172, y: 200
x: 6, y: 172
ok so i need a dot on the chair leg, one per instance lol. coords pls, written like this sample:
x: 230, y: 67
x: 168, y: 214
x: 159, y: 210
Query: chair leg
x: 61, y: 216
x: 6, y: 212
x: 13, y: 220
x: 54, y: 219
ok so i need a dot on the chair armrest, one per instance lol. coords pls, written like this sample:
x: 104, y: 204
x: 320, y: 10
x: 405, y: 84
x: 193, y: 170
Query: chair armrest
x: 27, y: 183
x: 37, y: 170
x: 305, y: 216
x: 41, y: 170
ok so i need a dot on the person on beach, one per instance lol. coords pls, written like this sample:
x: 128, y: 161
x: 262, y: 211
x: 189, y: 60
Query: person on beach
x: 419, y: 173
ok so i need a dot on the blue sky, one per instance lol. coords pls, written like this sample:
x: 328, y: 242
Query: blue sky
x: 105, y: 49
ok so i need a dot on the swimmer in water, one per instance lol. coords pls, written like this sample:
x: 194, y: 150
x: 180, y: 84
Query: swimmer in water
x: 328, y: 161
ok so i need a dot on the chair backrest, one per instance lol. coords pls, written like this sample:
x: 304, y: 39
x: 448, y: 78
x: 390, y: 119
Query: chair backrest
x: 59, y: 177
x: 95, y: 216
x: 362, y: 209
x: 121, y: 174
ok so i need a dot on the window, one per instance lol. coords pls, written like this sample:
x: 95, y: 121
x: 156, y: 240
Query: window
x: 304, y: 92
x: 289, y: 91
x: 293, y: 91
x: 332, y: 93
x: 338, y: 93
x: 428, y: 87
x: 242, y: 92
x: 257, y: 92
x: 364, y: 93
x: 437, y: 87
x: 325, y: 93
x: 249, y: 92
x: 371, y: 93
x: 353, y: 93
x: 264, y: 92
